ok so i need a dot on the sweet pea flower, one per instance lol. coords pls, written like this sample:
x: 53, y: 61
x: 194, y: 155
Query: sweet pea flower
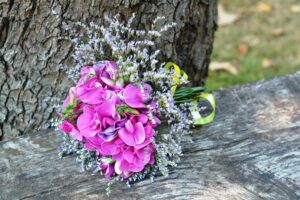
x: 95, y: 119
x: 109, y: 76
x: 108, y: 134
x: 133, y: 133
x: 134, y: 160
x: 112, y: 148
x: 139, y: 118
x: 103, y: 148
x: 89, y: 122
x: 108, y: 73
x: 71, y: 98
x: 135, y: 97
x: 87, y: 73
x: 107, y: 164
x: 117, y: 122
x: 91, y: 92
x: 70, y: 128
x: 93, y: 143
x: 112, y: 96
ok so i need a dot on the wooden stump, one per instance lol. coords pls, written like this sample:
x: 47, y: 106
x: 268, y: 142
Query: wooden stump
x: 250, y: 151
x: 32, y: 55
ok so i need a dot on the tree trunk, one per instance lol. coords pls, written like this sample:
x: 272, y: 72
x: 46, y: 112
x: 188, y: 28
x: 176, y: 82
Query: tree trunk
x: 31, y: 53
x: 250, y: 152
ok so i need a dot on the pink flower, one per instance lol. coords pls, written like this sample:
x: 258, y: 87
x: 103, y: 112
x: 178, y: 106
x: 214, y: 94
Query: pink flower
x: 93, y: 143
x: 117, y: 122
x: 89, y: 122
x: 132, y: 134
x: 110, y: 133
x: 112, y: 148
x: 108, y: 73
x: 68, y: 127
x: 91, y: 92
x: 135, y: 97
x: 134, y: 160
x: 103, y: 148
x: 87, y: 73
x: 107, y: 165
x: 95, y: 119
x: 71, y: 98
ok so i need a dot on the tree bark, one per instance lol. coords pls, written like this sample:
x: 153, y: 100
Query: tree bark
x: 250, y: 152
x: 31, y: 53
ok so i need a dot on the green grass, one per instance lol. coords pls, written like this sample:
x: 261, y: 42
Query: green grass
x: 284, y: 50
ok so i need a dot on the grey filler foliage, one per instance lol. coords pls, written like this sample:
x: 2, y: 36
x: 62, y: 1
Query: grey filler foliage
x: 33, y: 57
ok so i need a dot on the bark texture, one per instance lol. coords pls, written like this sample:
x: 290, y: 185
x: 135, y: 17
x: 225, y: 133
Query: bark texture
x: 251, y: 152
x: 31, y: 52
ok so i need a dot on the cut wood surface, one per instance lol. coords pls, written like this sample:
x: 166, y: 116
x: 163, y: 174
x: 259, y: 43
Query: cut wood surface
x: 250, y: 151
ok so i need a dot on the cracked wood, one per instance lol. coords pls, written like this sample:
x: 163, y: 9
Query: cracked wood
x: 251, y: 151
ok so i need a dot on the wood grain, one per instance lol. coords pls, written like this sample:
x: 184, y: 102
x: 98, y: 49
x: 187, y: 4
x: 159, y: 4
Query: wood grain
x: 250, y: 151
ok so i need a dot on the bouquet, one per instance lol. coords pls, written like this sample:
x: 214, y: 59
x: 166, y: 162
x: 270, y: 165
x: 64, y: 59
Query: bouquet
x: 122, y: 95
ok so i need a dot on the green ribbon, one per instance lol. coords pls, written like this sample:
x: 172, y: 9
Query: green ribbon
x: 178, y: 73
x: 198, y: 119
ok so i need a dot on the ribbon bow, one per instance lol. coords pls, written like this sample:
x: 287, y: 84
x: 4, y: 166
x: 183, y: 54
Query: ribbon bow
x: 191, y: 94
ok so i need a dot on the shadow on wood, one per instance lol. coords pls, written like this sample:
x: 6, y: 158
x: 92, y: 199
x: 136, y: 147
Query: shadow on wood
x: 250, y: 151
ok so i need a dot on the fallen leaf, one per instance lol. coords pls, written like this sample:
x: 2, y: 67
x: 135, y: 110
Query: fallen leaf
x: 226, y: 18
x: 250, y: 40
x: 295, y: 8
x: 266, y: 63
x: 223, y: 66
x: 277, y: 32
x: 243, y: 49
x: 264, y: 7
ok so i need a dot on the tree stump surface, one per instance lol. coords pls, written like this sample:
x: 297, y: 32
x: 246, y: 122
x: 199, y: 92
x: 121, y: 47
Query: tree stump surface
x: 34, y: 58
x: 250, y: 151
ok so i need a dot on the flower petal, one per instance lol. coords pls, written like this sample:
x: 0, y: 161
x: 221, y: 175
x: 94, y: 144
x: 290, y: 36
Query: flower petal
x: 126, y: 136
x: 133, y: 97
x: 129, y: 155
x: 129, y: 126
x: 106, y: 109
x: 124, y: 165
x: 89, y: 132
x: 139, y: 133
x: 91, y: 92
x: 117, y: 167
x: 143, y: 118
x: 84, y: 121
x: 109, y: 148
x: 65, y: 126
x: 108, y: 134
x: 109, y: 171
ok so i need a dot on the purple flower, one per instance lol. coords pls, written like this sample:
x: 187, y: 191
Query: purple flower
x: 108, y: 134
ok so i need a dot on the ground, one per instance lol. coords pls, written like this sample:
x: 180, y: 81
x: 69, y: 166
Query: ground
x: 262, y: 43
